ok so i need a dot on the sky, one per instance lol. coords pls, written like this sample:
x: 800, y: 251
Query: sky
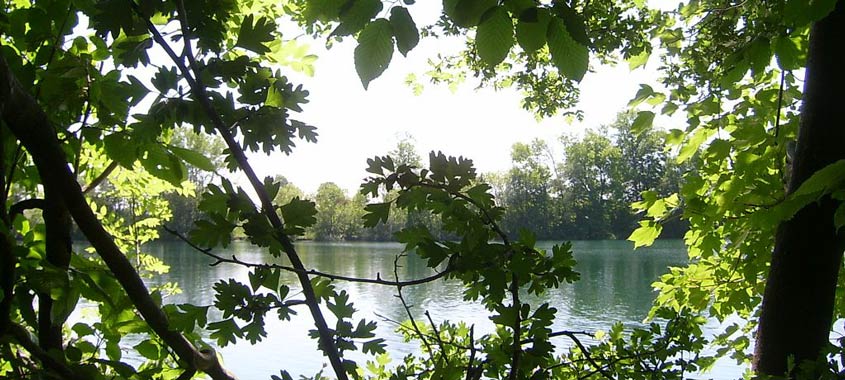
x: 481, y: 124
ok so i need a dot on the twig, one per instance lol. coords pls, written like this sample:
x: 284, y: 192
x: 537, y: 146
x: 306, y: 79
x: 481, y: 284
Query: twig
x: 234, y: 260
x: 100, y: 178
x: 439, y: 339
x: 517, y: 329
x: 587, y: 355
x: 200, y: 95
x: 408, y: 308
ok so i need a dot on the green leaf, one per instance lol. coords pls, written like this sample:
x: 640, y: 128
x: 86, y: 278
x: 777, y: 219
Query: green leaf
x: 407, y: 35
x: 322, y: 10
x: 374, y: 50
x: 119, y: 147
x: 531, y: 28
x: 467, y: 13
x: 354, y: 14
x: 823, y: 181
x: 571, y: 58
x: 225, y: 331
x: 789, y: 55
x: 839, y: 216
x: 494, y: 36
x: 643, y: 122
x: 148, y: 349
x: 253, y: 36
x: 638, y: 60
x: 192, y: 157
x: 375, y: 346
x: 375, y: 213
x: 646, y: 233
x: 692, y: 143
x: 298, y: 214
x: 644, y: 93
x: 163, y: 164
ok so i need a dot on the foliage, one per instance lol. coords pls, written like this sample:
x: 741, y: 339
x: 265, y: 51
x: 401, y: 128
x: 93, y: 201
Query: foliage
x: 71, y: 102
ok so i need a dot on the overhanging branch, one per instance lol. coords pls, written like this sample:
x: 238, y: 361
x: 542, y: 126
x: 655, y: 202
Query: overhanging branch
x: 32, y: 127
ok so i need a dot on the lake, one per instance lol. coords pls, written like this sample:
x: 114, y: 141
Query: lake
x: 615, y: 286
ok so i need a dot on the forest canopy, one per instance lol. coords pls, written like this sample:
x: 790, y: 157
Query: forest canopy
x: 761, y: 188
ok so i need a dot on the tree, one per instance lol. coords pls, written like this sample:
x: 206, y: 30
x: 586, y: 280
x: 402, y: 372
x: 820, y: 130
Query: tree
x: 334, y: 217
x: 65, y: 95
x: 593, y: 172
x: 527, y: 193
x: 734, y: 200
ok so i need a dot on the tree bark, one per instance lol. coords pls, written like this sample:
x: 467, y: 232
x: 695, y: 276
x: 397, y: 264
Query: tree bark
x: 797, y: 308
x: 58, y: 247
x: 8, y: 262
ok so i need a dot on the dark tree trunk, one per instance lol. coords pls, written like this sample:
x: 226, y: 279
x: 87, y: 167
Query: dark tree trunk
x: 798, y: 302
x: 58, y: 246
x: 7, y: 257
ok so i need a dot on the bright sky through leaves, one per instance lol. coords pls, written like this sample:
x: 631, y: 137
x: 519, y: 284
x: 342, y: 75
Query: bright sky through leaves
x: 355, y: 124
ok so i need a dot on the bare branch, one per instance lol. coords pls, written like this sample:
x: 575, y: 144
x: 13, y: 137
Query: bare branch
x: 311, y: 272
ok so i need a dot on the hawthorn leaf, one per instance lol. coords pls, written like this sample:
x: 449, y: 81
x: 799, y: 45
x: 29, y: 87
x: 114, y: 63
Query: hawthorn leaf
x: 375, y: 213
x: 253, y: 36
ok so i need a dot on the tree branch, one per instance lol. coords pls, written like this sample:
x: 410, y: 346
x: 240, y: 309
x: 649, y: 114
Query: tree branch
x: 21, y: 335
x: 234, y: 260
x: 32, y: 127
x: 200, y: 95
x: 101, y: 178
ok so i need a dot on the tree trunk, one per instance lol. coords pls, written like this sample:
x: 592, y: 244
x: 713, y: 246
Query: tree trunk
x: 58, y: 248
x: 797, y: 308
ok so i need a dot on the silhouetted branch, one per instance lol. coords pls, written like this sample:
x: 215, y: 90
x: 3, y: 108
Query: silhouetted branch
x: 234, y: 260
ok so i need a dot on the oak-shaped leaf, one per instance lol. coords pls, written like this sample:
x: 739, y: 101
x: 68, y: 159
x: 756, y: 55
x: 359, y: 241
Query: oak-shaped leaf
x: 253, y: 36
x: 375, y: 213
x: 298, y: 215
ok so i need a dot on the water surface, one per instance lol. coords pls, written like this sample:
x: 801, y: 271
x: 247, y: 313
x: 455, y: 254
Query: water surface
x: 615, y: 286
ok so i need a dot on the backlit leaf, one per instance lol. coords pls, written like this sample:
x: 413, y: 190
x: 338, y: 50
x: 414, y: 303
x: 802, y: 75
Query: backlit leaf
x: 407, y: 35
x: 253, y: 36
x: 643, y: 122
x: 531, y: 29
x: 374, y: 50
x: 494, y: 36
x: 571, y: 58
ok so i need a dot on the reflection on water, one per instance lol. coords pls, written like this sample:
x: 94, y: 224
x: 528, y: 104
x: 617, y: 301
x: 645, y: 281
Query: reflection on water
x: 615, y: 286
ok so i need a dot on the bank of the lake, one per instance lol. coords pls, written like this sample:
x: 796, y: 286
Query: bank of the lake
x: 615, y: 286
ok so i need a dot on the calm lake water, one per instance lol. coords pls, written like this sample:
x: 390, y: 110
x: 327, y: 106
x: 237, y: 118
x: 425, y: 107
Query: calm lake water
x: 615, y: 286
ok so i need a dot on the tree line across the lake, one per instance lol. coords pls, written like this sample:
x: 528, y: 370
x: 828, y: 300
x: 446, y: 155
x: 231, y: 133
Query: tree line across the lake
x: 578, y: 187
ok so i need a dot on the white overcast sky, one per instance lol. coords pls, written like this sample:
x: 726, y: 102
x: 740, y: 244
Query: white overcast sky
x: 355, y: 124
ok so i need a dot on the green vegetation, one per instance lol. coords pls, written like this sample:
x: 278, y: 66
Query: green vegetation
x: 582, y: 191
x: 764, y: 238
